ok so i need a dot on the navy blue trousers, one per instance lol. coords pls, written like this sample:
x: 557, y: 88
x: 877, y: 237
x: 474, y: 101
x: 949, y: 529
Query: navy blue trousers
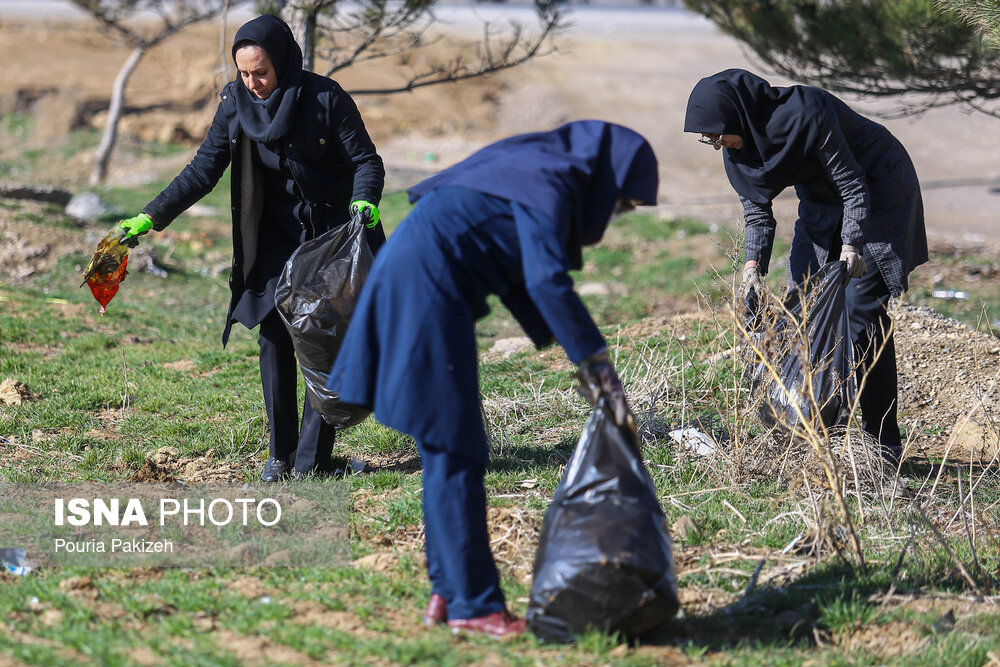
x: 309, y: 443
x: 869, y: 321
x: 459, y: 562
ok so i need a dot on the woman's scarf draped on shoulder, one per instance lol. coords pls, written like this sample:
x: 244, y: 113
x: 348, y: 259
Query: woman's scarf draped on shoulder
x: 576, y: 172
x: 779, y: 127
x: 270, y: 119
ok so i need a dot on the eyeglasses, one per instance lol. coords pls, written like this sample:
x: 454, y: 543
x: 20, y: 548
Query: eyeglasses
x: 711, y: 142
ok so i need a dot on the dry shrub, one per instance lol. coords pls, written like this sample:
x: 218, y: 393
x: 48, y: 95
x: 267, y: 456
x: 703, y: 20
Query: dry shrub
x: 853, y: 453
x: 849, y: 499
x: 514, y: 539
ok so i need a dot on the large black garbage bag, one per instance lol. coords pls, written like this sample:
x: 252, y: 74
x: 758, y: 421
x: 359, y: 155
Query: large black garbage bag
x: 604, y: 557
x: 810, y: 340
x: 315, y: 296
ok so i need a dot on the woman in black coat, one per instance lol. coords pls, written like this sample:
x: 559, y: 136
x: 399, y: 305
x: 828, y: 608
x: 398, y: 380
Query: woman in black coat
x: 303, y: 163
x: 859, y: 201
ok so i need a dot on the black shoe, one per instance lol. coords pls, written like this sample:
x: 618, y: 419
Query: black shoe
x: 275, y: 470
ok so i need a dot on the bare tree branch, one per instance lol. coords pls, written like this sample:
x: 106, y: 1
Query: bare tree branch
x: 174, y: 15
x: 404, y: 30
x: 377, y: 29
x: 367, y: 31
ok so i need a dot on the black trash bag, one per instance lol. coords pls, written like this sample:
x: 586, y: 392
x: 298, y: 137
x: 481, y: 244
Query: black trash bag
x: 821, y: 349
x: 315, y: 296
x: 604, y: 558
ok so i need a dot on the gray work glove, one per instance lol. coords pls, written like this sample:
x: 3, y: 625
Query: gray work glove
x: 749, y: 296
x: 598, y: 378
x: 750, y: 280
x: 855, y: 263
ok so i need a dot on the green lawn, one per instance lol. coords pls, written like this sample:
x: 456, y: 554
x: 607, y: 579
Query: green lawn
x: 151, y: 374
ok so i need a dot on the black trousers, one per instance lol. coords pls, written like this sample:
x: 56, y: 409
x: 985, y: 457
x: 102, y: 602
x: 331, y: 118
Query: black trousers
x: 309, y: 444
x: 818, y: 231
x: 867, y: 300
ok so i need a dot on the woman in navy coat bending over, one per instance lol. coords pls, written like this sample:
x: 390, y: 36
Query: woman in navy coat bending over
x: 510, y: 220
x: 859, y: 201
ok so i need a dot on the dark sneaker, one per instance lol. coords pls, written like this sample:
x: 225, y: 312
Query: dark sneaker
x: 275, y: 470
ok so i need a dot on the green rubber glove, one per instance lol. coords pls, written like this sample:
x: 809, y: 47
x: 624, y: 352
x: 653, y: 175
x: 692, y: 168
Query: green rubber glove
x: 367, y: 210
x: 136, y: 226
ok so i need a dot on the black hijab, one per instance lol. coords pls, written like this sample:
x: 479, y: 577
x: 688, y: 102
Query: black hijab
x: 577, y: 171
x: 779, y: 127
x: 270, y: 119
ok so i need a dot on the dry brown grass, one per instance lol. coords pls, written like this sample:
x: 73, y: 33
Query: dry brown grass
x: 850, y: 502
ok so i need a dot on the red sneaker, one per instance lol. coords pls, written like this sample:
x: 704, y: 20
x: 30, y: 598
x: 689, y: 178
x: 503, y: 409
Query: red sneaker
x: 499, y: 624
x: 436, y: 611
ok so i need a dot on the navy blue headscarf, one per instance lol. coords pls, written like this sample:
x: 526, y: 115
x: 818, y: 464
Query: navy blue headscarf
x: 779, y: 127
x: 576, y: 172
x: 270, y: 119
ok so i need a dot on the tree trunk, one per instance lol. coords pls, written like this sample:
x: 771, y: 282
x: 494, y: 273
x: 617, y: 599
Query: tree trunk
x: 103, y: 155
x: 301, y: 18
x: 224, y: 54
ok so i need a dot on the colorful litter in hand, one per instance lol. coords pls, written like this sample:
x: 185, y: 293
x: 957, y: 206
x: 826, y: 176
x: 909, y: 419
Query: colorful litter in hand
x: 107, y: 268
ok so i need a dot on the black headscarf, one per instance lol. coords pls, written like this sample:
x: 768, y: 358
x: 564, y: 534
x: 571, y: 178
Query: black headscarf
x: 779, y: 127
x: 270, y: 119
x: 577, y: 171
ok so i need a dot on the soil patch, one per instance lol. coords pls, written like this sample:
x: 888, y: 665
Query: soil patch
x: 166, y: 465
x: 14, y: 392
x: 514, y: 539
x: 310, y: 613
x: 902, y: 638
x: 27, y: 249
x: 382, y: 561
x: 405, y: 462
x: 251, y: 588
x: 948, y: 380
x: 64, y: 651
x: 259, y: 650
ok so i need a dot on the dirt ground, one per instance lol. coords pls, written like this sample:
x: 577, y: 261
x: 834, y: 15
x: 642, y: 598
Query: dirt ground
x: 632, y: 66
x: 948, y: 372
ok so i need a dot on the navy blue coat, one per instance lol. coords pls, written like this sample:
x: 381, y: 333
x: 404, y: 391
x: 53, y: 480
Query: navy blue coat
x: 410, y: 350
x: 328, y: 151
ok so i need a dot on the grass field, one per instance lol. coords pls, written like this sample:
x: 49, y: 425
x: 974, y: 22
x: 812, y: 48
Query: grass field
x: 767, y: 575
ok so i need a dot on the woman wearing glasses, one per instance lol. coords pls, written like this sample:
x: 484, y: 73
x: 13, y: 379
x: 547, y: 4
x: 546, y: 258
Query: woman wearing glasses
x: 859, y: 200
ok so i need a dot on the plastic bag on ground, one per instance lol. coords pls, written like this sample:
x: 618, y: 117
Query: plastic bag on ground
x: 605, y: 558
x: 809, y: 339
x: 14, y: 561
x: 315, y: 297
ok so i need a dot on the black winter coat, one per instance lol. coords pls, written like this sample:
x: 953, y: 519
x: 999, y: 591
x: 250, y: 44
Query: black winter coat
x: 329, y: 153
